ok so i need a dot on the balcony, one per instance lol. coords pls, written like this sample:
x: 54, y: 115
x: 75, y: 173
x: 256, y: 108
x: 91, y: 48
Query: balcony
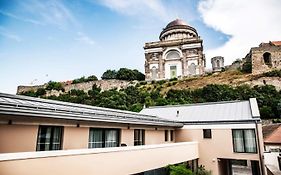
x: 101, y: 161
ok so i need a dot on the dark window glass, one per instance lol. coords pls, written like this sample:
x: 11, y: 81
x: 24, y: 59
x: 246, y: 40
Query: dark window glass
x: 172, y: 135
x: 139, y: 137
x: 244, y: 140
x: 166, y: 135
x: 207, y: 133
x: 100, y: 138
x: 49, y: 138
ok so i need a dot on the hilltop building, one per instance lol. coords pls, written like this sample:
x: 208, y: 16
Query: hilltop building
x: 217, y: 63
x: 179, y: 53
x: 266, y: 57
x: 40, y: 136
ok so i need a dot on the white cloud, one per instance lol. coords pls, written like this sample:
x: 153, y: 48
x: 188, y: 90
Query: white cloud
x: 82, y: 37
x: 51, y: 12
x: 247, y: 22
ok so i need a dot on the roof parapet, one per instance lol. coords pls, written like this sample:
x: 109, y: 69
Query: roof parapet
x: 254, y: 108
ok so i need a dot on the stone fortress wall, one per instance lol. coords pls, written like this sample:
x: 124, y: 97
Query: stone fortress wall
x: 265, y: 58
x: 85, y: 86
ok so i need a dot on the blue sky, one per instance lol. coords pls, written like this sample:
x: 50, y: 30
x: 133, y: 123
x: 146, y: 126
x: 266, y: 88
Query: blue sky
x: 65, y: 39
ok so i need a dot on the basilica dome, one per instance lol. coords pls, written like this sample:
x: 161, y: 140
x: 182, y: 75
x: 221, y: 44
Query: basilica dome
x: 177, y: 29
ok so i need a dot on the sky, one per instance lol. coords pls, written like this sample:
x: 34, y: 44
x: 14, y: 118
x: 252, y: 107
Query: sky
x: 59, y: 40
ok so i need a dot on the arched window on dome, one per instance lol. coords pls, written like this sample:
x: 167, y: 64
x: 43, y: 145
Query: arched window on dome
x: 218, y: 63
x: 154, y: 73
x: 192, y: 69
x: 173, y: 55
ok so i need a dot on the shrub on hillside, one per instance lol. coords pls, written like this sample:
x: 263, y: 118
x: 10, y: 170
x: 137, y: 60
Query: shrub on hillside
x: 109, y: 74
x: 273, y: 73
x: 83, y: 79
x: 247, y: 67
x: 52, y: 85
x: 128, y: 74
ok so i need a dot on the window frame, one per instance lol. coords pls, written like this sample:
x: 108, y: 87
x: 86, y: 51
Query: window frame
x: 172, y: 135
x: 141, y: 139
x: 166, y: 135
x: 51, y: 137
x: 104, y: 137
x: 244, y: 142
x: 207, y: 134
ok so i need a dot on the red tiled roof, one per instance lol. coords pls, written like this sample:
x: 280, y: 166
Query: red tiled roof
x: 272, y: 133
x: 276, y: 43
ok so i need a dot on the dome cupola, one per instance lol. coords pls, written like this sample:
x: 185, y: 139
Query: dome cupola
x: 177, y: 29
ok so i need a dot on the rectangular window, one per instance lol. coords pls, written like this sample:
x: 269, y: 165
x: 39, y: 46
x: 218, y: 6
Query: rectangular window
x: 49, y: 138
x: 101, y: 138
x: 172, y: 135
x: 139, y: 137
x: 244, y: 140
x: 207, y: 133
x: 166, y: 135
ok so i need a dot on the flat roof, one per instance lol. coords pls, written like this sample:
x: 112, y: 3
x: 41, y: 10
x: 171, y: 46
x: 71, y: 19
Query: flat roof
x: 37, y: 107
x: 224, y: 111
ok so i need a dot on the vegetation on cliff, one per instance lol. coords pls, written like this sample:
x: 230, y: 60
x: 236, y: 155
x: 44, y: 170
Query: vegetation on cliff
x: 123, y: 74
x: 170, y: 92
x: 134, y: 98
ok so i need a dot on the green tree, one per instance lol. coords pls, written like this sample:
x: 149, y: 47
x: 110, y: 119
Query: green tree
x: 128, y: 74
x: 247, y: 67
x: 52, y: 85
x: 109, y: 74
x: 92, y: 78
x: 40, y: 92
x: 180, y: 169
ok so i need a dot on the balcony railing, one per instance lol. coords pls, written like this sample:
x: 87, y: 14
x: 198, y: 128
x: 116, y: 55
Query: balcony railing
x: 101, y: 161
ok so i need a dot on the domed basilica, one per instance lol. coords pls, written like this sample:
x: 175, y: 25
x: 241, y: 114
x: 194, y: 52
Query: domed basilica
x: 179, y: 53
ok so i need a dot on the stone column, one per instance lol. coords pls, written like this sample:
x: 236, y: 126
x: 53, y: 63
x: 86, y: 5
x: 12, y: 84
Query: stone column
x: 161, y: 66
x: 184, y: 65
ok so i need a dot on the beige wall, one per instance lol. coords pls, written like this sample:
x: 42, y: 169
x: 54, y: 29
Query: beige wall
x: 127, y: 137
x: 103, y: 161
x: 154, y: 137
x: 75, y: 137
x: 219, y: 146
x: 18, y: 138
x: 22, y: 137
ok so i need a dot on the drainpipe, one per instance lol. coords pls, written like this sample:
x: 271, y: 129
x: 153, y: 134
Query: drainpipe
x: 260, y: 156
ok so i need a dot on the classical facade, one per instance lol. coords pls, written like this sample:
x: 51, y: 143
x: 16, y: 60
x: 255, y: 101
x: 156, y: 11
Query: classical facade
x: 179, y: 53
x: 266, y: 57
x: 217, y: 63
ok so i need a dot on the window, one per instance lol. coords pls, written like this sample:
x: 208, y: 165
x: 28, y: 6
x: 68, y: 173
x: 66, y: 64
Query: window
x: 207, y: 133
x: 139, y: 137
x: 173, y: 55
x: 218, y: 63
x: 100, y: 138
x: 192, y: 69
x: 49, y: 138
x: 172, y: 135
x: 267, y: 58
x: 244, y: 140
x: 166, y: 135
x: 154, y: 73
